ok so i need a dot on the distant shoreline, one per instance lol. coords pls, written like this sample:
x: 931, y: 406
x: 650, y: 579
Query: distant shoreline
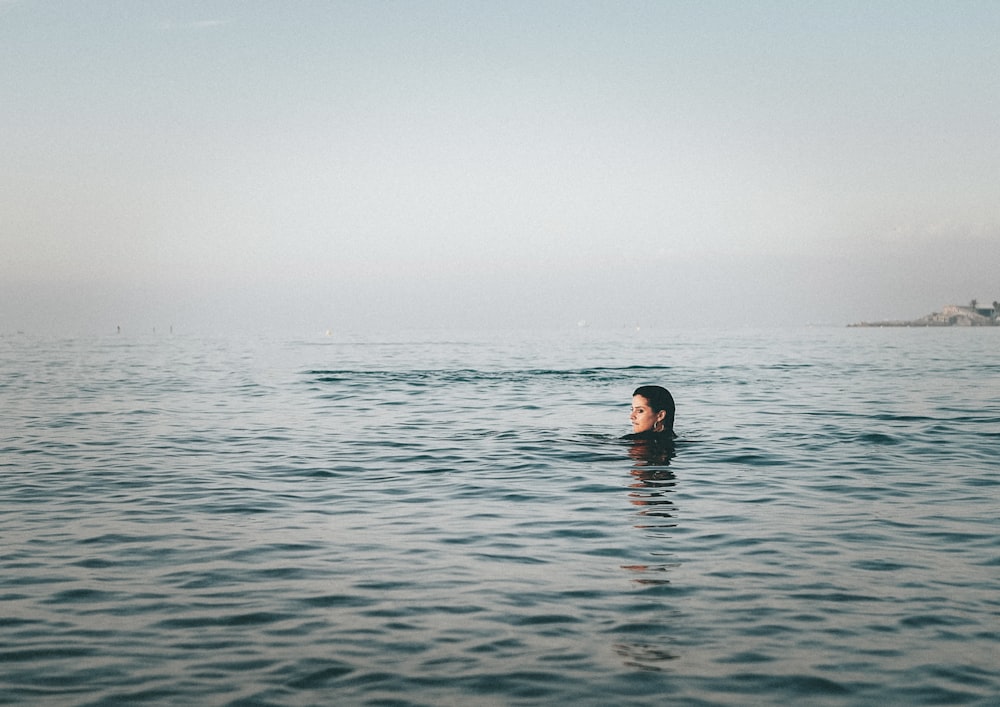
x: 951, y: 315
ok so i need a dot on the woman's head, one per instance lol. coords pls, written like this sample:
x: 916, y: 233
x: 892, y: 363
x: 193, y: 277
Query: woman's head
x: 652, y: 409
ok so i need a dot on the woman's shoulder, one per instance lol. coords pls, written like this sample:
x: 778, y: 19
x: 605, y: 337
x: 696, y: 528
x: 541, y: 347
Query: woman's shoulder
x: 651, y: 436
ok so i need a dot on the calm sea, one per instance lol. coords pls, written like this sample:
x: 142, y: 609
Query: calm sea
x: 436, y: 518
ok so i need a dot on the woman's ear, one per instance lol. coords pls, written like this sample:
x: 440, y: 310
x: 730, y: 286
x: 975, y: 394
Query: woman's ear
x: 661, y: 415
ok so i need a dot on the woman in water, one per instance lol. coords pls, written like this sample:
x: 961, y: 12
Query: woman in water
x: 652, y: 413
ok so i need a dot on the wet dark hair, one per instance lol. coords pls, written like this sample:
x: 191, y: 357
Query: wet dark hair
x: 659, y: 398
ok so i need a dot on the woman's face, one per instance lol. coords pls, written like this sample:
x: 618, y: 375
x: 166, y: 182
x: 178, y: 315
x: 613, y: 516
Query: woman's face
x: 643, y: 418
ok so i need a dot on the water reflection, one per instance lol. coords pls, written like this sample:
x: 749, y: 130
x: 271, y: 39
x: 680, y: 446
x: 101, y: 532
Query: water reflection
x: 653, y: 482
x: 650, y: 490
x: 652, y: 452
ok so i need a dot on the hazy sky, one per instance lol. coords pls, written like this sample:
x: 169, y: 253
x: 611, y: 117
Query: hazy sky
x: 303, y: 166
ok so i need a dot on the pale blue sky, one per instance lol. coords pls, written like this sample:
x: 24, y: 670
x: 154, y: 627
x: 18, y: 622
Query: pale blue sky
x: 303, y: 166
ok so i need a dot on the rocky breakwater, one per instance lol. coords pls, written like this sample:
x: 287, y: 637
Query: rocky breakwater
x: 950, y: 315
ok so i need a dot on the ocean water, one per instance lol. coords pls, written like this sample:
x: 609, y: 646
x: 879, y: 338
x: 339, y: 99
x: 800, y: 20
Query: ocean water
x: 438, y: 518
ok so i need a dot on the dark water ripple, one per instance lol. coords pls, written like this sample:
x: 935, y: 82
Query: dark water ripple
x: 432, y: 519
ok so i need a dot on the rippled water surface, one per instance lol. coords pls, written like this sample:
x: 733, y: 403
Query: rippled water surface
x: 444, y: 518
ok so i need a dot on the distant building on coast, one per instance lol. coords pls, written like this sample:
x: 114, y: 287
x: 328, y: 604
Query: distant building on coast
x: 950, y: 315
